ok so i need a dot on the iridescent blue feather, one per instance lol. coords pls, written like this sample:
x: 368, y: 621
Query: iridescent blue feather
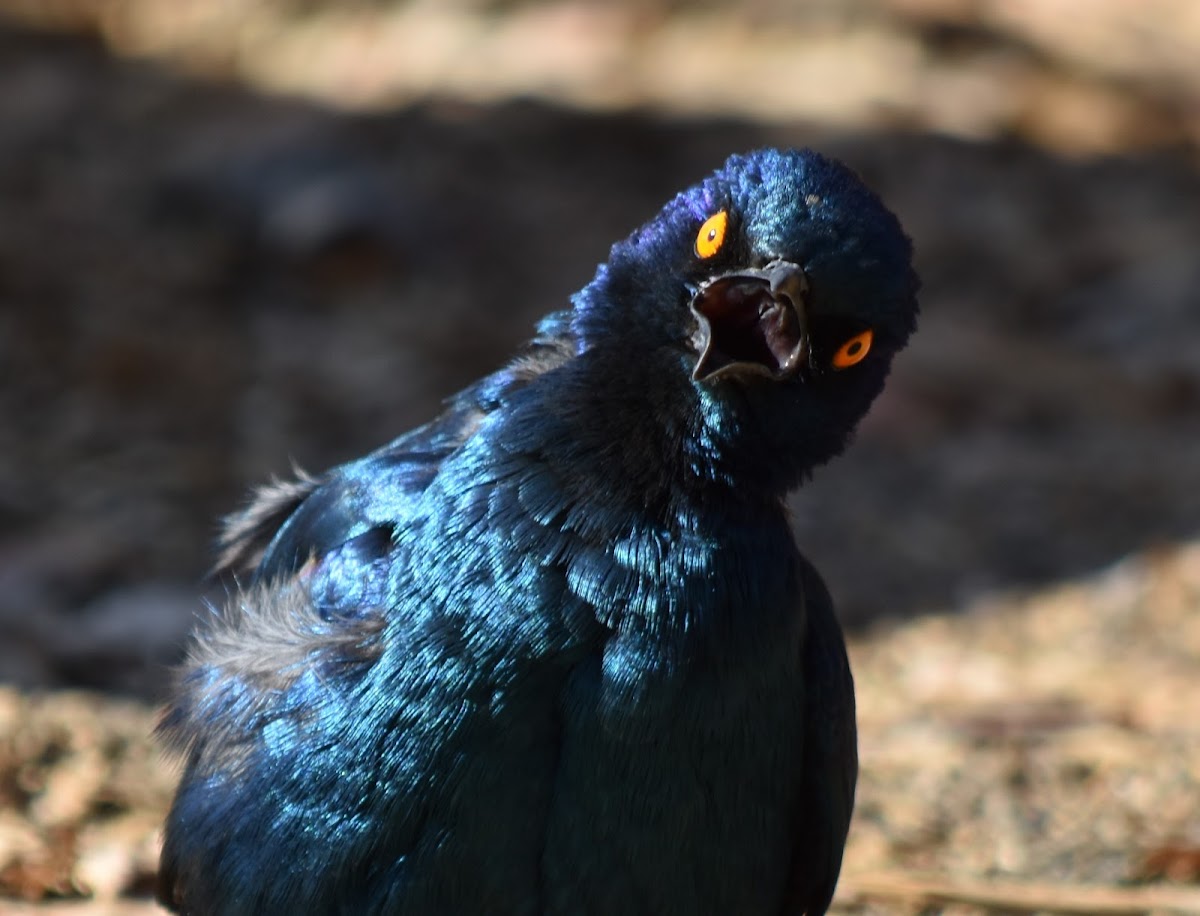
x: 557, y: 651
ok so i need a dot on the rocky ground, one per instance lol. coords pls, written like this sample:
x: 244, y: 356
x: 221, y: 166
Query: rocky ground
x: 274, y: 242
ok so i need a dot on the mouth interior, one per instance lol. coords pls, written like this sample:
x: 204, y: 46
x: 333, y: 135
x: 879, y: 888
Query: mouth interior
x: 750, y: 326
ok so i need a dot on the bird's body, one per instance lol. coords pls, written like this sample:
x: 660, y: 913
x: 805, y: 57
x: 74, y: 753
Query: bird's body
x: 556, y: 651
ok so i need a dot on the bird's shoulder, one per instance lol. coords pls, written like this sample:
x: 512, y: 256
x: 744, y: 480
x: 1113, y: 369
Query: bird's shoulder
x: 289, y: 522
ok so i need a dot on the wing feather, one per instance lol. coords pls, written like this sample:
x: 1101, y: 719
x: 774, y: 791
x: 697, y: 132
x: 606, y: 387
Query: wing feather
x: 830, y: 754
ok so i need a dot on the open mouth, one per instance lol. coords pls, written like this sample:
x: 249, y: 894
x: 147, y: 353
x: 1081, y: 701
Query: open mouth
x: 752, y: 321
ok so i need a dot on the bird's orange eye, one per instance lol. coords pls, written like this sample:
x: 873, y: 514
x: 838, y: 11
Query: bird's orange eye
x: 853, y: 351
x: 711, y: 235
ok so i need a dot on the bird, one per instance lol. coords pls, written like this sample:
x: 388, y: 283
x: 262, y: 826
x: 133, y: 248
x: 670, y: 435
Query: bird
x: 557, y: 650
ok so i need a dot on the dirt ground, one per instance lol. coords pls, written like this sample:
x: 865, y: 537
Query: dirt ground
x: 241, y: 235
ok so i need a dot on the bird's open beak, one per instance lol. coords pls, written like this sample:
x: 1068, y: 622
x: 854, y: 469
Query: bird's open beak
x: 752, y: 321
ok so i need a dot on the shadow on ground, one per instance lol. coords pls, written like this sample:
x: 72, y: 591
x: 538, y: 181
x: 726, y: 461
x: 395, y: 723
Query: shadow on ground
x: 199, y: 285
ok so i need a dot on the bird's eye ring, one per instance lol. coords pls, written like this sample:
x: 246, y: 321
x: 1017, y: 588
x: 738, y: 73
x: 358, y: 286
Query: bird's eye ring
x: 711, y: 235
x: 853, y: 351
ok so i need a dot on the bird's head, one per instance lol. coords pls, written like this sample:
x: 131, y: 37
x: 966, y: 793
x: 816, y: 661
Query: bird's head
x: 777, y: 291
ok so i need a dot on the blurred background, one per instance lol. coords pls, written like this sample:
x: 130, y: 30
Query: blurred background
x: 244, y: 234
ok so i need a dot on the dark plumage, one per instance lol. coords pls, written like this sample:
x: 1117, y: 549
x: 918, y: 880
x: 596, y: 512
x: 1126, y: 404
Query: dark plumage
x: 556, y: 651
